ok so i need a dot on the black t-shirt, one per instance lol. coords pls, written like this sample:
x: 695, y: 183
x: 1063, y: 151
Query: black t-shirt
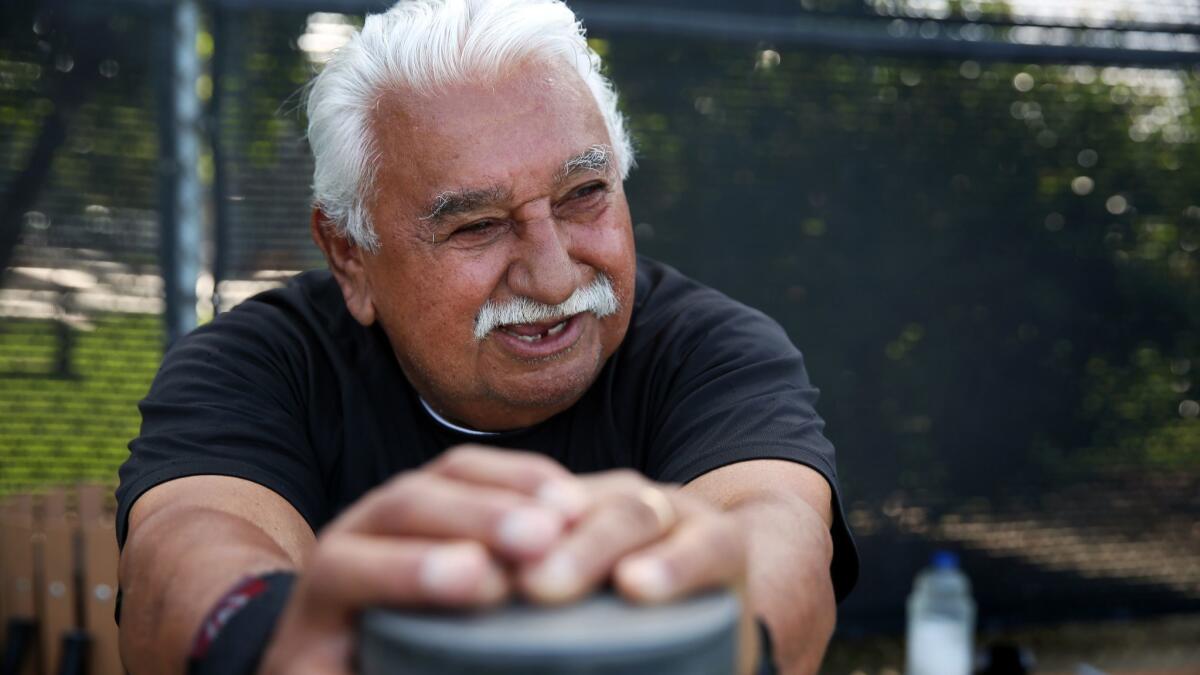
x: 289, y: 391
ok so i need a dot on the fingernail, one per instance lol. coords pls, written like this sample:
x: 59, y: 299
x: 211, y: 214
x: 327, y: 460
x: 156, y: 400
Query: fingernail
x: 649, y: 577
x: 528, y: 530
x: 556, y: 577
x: 565, y: 497
x: 447, y: 569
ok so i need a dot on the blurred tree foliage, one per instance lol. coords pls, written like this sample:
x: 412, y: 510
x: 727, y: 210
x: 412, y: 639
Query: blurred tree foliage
x: 991, y: 267
x: 76, y: 94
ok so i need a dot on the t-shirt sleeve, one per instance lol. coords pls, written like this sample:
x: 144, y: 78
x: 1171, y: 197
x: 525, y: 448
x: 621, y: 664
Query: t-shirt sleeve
x: 739, y: 391
x: 227, y: 401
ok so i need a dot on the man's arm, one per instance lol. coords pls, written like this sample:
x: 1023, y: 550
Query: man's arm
x: 190, y: 540
x: 429, y: 537
x: 417, y: 540
x: 787, y: 512
x: 421, y: 539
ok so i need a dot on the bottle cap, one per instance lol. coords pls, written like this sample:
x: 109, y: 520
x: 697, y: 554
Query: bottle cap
x: 945, y: 560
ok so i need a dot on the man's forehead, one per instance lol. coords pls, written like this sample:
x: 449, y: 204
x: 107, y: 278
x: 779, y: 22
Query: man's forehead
x: 464, y: 145
x: 521, y: 81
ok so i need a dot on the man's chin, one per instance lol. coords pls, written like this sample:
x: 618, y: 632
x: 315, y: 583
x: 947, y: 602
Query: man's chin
x: 548, y: 388
x: 558, y: 388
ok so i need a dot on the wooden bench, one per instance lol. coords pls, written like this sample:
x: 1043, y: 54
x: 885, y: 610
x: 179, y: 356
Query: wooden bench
x: 58, y: 564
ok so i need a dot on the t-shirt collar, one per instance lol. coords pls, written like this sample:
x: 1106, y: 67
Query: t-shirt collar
x: 452, y: 426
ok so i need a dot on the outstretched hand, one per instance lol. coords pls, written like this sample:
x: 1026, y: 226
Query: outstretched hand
x: 478, y: 525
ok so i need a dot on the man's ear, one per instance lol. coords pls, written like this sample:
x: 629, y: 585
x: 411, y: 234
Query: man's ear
x: 345, y: 259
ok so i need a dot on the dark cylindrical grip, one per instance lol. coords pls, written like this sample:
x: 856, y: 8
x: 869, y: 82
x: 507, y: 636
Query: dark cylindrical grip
x: 602, y: 634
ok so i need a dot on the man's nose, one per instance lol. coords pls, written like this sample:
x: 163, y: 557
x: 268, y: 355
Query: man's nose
x: 543, y: 269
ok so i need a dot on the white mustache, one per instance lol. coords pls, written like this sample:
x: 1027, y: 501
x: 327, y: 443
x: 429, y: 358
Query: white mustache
x: 597, y: 297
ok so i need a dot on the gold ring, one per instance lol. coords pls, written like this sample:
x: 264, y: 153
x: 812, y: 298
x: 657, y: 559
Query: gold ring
x: 658, y: 502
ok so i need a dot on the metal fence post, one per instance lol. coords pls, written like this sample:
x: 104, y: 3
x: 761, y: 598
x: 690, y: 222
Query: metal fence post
x: 180, y: 136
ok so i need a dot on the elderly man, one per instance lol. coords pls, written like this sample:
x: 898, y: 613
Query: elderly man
x: 488, y: 394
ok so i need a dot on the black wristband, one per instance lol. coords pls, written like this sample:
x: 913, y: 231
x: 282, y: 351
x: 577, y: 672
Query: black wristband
x: 766, y: 653
x: 235, y: 633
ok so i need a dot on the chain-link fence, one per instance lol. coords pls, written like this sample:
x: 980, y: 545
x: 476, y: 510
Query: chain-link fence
x: 79, y: 302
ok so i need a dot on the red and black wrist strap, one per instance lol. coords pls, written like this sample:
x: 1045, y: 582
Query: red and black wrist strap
x: 235, y: 633
x: 236, y: 630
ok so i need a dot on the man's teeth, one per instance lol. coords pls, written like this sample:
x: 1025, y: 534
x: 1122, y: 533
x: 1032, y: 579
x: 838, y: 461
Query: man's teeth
x: 553, y: 330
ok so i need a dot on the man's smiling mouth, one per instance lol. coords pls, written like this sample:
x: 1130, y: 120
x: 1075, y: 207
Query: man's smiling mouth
x: 530, y: 332
x: 539, y: 341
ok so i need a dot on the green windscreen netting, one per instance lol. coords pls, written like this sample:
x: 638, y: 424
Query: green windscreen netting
x: 79, y: 300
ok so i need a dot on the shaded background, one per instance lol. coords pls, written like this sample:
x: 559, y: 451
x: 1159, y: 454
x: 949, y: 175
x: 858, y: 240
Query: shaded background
x: 979, y: 220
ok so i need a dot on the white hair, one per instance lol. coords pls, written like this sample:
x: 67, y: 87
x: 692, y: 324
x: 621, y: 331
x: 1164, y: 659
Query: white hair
x: 421, y: 46
x: 597, y: 297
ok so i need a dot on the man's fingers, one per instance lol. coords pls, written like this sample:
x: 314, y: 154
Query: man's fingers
x: 701, y: 553
x: 353, y: 571
x: 349, y: 572
x: 426, y: 505
x: 621, y: 523
x: 531, y: 474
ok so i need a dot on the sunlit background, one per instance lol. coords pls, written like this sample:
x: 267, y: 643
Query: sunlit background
x: 979, y: 221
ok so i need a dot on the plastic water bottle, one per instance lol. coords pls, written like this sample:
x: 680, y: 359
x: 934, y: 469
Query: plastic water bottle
x: 941, y: 620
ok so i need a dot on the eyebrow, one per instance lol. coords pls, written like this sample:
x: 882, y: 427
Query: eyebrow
x: 456, y: 202
x: 596, y: 159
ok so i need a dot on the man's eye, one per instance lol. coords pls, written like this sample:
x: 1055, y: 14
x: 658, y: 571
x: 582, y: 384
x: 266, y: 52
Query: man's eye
x: 588, y: 190
x: 483, y: 227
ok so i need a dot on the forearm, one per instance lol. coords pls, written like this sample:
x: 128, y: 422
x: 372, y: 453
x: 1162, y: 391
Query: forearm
x: 174, y: 568
x: 786, y: 511
x: 789, y: 585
